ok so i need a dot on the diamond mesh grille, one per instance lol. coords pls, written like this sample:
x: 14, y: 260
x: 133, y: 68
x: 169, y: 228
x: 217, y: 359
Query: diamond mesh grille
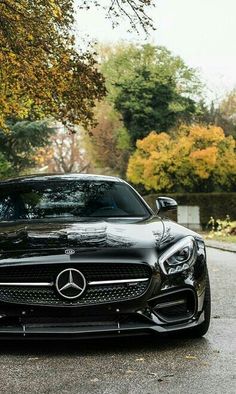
x: 49, y: 296
x: 95, y: 294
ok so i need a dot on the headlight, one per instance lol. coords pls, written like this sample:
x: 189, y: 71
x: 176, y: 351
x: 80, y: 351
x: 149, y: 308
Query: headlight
x: 179, y: 257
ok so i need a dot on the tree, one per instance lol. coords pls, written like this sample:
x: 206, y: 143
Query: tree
x: 120, y: 63
x: 110, y: 141
x: 5, y: 167
x: 228, y: 104
x: 227, y: 113
x: 133, y: 10
x: 19, y: 144
x: 41, y: 71
x: 145, y: 104
x: 222, y: 115
x: 196, y: 158
x: 150, y: 87
x: 64, y: 153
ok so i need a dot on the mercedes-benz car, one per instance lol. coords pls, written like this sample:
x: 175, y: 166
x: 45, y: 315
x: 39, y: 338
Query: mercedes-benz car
x: 85, y: 256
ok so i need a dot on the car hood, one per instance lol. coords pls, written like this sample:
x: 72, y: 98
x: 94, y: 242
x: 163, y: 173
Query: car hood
x: 122, y: 233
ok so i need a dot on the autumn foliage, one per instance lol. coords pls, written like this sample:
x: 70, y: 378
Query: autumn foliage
x: 195, y: 158
x: 41, y: 71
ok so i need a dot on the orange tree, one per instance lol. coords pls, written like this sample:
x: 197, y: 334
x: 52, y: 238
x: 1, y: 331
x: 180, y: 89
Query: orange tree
x: 196, y: 158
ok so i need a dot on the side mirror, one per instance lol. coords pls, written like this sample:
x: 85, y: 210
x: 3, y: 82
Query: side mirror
x: 165, y: 204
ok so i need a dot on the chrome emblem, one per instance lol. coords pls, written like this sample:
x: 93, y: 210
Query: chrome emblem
x: 69, y: 251
x: 70, y: 283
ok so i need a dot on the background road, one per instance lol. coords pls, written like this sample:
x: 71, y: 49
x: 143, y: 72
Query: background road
x: 205, y: 365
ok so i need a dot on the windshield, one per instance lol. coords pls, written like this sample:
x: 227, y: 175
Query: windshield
x: 63, y: 199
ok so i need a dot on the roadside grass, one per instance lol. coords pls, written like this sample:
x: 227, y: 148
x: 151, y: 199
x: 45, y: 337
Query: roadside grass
x: 222, y: 230
x: 220, y: 237
x: 214, y: 236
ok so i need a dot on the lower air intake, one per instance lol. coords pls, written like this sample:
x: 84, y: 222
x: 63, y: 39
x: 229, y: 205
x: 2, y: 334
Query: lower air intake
x: 176, y: 306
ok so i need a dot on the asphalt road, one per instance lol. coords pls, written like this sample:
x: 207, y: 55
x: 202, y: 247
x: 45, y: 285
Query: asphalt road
x: 206, y: 365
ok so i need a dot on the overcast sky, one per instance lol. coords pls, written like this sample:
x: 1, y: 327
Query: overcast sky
x: 202, y: 32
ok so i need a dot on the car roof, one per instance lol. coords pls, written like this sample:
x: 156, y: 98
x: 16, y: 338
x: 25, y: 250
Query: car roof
x: 59, y: 177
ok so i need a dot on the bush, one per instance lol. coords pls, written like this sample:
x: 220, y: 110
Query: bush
x: 222, y: 228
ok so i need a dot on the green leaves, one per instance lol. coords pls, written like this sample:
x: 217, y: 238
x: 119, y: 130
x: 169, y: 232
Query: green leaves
x: 147, y: 104
x: 151, y: 88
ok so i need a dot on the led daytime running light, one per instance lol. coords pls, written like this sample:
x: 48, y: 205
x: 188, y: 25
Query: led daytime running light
x: 179, y: 266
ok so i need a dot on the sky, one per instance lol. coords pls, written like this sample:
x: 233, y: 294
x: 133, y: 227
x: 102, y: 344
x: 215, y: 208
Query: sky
x: 202, y: 32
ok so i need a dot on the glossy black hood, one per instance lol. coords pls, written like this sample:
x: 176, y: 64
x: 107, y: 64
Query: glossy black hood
x: 116, y: 233
x: 122, y: 233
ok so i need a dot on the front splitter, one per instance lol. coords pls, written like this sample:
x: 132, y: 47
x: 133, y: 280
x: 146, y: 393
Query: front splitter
x: 76, y: 332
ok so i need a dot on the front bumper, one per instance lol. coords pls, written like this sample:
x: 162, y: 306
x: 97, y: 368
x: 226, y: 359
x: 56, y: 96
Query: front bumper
x: 136, y: 317
x: 99, y: 330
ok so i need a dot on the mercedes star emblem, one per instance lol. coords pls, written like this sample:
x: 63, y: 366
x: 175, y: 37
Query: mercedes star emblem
x: 70, y: 283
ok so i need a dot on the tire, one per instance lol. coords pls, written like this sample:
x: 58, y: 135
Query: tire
x: 202, y: 329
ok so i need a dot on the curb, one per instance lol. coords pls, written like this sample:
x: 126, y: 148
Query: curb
x: 228, y: 247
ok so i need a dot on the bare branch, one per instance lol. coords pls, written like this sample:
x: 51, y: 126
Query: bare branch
x: 134, y: 10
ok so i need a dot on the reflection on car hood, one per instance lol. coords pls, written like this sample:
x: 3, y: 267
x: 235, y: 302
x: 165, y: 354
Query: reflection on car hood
x: 120, y: 233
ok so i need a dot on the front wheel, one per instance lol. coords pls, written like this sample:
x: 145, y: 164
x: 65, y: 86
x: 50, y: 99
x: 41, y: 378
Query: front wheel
x: 202, y: 329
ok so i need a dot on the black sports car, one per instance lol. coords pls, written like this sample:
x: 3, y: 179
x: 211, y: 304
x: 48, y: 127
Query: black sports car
x: 84, y: 255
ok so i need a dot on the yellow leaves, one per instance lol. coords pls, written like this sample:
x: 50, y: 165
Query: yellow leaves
x: 153, y: 142
x: 40, y: 64
x: 200, y: 136
x: 204, y: 161
x: 195, y: 155
x: 56, y: 10
x: 210, y: 133
x: 145, y: 166
x: 43, y: 155
x: 136, y: 168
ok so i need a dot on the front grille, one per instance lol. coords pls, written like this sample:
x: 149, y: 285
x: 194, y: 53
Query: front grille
x: 96, y: 294
x: 91, y: 271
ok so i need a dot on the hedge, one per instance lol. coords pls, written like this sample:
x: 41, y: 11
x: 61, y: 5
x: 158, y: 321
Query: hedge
x: 217, y: 205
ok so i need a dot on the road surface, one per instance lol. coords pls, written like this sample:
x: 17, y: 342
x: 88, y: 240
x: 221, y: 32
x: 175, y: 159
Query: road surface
x: 205, y: 365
